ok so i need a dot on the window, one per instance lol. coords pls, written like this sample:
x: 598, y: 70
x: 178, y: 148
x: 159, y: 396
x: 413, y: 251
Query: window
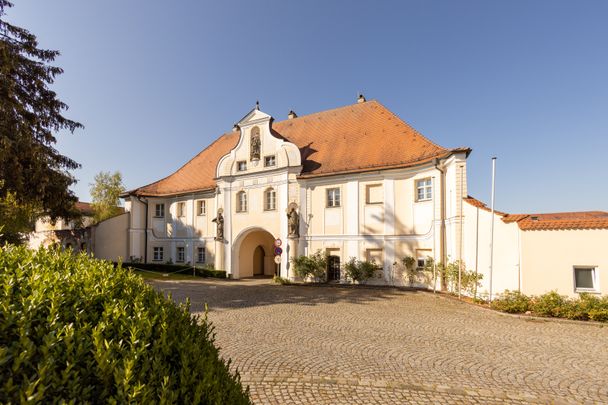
x: 201, y: 256
x: 373, y: 194
x: 270, y: 200
x: 181, y: 254
x: 241, y: 201
x: 421, y: 257
x: 424, y: 189
x: 159, y: 211
x: 181, y: 209
x: 158, y: 253
x: 585, y: 279
x: 241, y: 166
x: 333, y: 197
x: 270, y: 161
x: 374, y: 255
x: 201, y: 207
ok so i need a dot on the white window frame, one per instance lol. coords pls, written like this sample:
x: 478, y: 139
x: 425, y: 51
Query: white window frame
x: 268, y: 158
x: 241, y: 201
x: 201, y: 207
x: 180, y: 254
x: 270, y: 196
x: 241, y: 166
x: 594, y: 278
x: 201, y: 254
x: 333, y: 197
x: 159, y: 210
x: 426, y: 186
x: 158, y: 254
x: 181, y: 209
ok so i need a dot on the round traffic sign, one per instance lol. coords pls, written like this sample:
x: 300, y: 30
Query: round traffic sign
x: 278, y: 251
x: 277, y: 259
x: 278, y: 242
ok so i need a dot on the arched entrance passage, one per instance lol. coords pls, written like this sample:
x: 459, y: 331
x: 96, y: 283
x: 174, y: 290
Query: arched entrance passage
x: 253, y: 254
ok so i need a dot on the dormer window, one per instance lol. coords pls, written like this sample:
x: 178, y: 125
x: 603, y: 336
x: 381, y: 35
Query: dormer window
x: 270, y: 161
x: 241, y: 166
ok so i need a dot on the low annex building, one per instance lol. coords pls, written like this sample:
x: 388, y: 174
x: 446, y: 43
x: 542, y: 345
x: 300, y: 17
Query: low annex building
x: 355, y: 181
x: 536, y: 253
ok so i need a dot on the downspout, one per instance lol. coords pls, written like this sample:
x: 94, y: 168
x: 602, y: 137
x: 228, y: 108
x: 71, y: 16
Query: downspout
x: 145, y: 202
x: 442, y: 247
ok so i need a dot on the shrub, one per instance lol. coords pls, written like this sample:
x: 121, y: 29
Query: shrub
x: 512, y: 302
x: 549, y: 304
x: 410, y: 271
x: 587, y: 307
x: 359, y: 270
x: 469, y: 280
x: 314, y: 266
x: 76, y: 329
x: 280, y: 280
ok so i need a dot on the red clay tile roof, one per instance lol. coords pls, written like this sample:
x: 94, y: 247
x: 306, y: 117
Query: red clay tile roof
x: 564, y: 220
x: 555, y: 221
x: 476, y: 203
x: 85, y: 208
x: 355, y: 138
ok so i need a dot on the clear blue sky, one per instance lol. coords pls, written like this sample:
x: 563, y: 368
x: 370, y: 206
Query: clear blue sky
x: 155, y: 82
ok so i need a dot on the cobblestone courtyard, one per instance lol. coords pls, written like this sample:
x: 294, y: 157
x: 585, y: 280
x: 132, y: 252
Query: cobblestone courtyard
x: 331, y: 345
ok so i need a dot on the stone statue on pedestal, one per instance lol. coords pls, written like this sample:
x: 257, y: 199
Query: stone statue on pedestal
x: 219, y: 221
x: 293, y: 221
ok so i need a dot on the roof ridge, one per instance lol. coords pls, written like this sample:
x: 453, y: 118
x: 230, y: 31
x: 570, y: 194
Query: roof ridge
x: 319, y: 112
x: 409, y: 125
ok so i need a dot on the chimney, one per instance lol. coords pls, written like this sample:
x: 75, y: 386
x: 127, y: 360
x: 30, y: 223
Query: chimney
x: 292, y: 114
x: 361, y: 98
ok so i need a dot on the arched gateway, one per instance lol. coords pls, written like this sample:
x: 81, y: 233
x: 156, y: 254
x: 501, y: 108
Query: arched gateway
x: 252, y: 253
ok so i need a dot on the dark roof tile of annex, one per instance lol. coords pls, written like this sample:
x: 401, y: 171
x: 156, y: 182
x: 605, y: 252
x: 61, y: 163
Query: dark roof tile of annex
x: 355, y: 138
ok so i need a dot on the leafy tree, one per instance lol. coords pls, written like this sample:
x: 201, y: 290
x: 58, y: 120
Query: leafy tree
x: 106, y: 195
x: 34, y: 172
x: 16, y: 220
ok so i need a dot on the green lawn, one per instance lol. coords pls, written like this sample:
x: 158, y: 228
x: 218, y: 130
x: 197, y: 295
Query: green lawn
x: 147, y: 275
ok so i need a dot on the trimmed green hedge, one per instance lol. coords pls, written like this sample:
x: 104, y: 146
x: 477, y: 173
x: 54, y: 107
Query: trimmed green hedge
x: 75, y: 329
x: 205, y: 271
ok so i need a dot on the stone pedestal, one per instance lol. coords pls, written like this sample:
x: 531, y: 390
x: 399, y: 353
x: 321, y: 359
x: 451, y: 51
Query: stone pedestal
x: 219, y: 254
x: 293, y: 253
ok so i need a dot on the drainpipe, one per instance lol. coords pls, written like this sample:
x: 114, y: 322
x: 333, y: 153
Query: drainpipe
x: 442, y: 250
x: 145, y: 202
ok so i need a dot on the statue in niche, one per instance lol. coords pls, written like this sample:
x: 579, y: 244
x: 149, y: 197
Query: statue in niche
x: 219, y: 221
x: 255, y: 144
x: 293, y: 221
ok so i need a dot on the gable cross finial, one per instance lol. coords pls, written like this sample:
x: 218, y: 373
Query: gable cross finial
x: 257, y: 105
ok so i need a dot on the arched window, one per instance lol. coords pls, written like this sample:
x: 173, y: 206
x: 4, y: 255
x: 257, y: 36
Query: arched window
x: 270, y: 199
x: 241, y: 201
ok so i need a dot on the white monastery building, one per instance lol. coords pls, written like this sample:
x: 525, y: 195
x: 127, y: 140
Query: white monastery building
x: 355, y: 181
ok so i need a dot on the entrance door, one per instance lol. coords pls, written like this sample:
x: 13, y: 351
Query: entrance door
x: 333, y: 268
x: 258, y: 261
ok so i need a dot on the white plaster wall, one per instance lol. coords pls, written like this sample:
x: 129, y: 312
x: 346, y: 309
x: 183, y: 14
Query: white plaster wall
x: 549, y: 258
x: 476, y: 249
x: 110, y: 238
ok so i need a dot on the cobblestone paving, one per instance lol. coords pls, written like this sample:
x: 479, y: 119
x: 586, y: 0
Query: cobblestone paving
x: 332, y: 345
